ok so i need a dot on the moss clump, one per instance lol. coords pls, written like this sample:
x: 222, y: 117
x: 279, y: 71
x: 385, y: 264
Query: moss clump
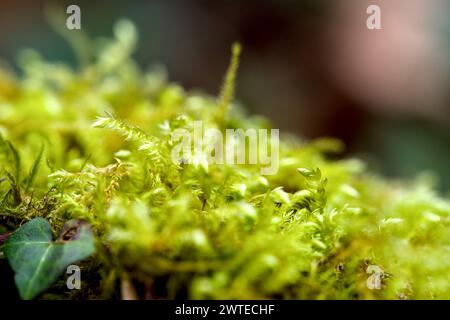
x: 318, y: 229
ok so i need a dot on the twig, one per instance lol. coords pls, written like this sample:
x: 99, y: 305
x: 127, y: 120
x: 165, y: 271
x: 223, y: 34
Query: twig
x: 5, y: 236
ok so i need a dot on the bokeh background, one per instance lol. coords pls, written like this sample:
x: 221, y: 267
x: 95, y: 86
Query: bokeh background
x: 311, y: 66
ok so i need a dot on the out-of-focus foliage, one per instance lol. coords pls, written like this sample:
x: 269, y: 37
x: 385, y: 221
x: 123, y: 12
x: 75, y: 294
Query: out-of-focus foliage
x: 318, y: 229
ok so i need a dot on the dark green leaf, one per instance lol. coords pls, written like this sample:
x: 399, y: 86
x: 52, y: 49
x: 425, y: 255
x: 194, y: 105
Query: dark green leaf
x: 38, y: 261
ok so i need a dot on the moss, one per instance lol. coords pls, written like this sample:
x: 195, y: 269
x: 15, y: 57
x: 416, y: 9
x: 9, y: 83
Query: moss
x: 320, y: 228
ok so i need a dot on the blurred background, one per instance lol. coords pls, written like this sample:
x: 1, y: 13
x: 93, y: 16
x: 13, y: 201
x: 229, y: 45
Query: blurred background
x: 311, y: 66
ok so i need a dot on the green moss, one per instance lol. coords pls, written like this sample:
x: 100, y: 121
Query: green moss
x: 315, y: 230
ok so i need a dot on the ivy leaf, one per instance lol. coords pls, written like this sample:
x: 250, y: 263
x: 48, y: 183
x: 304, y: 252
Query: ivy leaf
x: 38, y: 261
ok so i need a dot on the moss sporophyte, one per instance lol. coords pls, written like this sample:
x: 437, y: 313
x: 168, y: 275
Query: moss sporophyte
x: 138, y: 183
